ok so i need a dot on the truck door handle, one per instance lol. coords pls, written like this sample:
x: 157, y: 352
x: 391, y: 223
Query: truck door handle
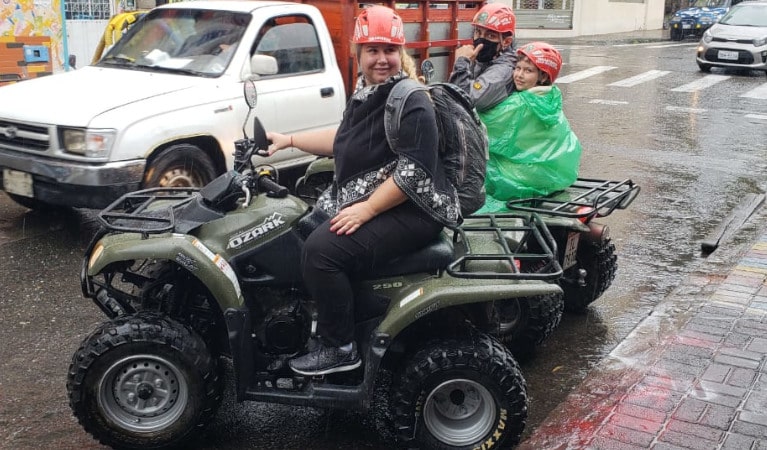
x: 326, y: 92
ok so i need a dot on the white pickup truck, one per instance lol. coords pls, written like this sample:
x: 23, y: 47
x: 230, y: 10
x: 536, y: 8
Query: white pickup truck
x: 164, y: 106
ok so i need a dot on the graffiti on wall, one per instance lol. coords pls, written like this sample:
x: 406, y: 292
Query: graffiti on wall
x: 34, y: 18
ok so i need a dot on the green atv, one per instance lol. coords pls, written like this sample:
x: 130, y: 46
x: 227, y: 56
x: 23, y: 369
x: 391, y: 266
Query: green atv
x: 189, y: 276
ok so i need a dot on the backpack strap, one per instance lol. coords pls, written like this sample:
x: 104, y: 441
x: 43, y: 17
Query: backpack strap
x: 393, y: 110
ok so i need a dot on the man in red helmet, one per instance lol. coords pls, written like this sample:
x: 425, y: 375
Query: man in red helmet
x: 484, y: 69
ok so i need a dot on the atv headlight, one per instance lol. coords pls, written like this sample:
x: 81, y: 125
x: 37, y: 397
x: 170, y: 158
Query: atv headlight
x: 93, y: 143
x: 760, y: 41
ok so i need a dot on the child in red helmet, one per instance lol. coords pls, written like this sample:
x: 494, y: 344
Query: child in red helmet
x: 383, y: 202
x: 483, y: 70
x: 533, y: 151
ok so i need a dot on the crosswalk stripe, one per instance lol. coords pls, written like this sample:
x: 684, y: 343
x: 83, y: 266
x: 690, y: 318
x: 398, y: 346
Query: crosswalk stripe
x: 760, y: 117
x: 697, y: 85
x: 685, y: 109
x: 584, y: 74
x: 599, y: 101
x: 641, y: 78
x: 760, y: 92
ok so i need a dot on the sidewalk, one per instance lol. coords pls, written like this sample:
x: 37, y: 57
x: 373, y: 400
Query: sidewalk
x: 692, y: 375
x: 629, y: 37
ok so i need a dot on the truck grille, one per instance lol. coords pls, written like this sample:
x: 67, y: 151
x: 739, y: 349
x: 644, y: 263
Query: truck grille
x: 24, y: 136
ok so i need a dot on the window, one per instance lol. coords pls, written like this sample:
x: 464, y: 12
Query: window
x: 87, y: 10
x: 292, y: 41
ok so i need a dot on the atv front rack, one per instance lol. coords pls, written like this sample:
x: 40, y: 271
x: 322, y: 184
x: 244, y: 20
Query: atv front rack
x: 505, y: 246
x: 142, y: 212
x: 583, y: 200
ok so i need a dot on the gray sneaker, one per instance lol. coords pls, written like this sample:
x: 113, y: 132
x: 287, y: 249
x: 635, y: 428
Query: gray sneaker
x: 324, y: 360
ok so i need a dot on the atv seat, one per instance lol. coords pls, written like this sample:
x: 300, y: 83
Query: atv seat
x: 432, y: 258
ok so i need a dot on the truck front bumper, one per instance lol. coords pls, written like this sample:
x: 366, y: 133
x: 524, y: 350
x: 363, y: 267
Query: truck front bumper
x: 74, y: 184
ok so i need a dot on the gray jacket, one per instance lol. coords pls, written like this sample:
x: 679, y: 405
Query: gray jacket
x: 486, y: 83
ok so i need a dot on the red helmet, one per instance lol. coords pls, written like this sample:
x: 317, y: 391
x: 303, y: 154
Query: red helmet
x: 497, y: 17
x: 545, y: 57
x: 378, y: 24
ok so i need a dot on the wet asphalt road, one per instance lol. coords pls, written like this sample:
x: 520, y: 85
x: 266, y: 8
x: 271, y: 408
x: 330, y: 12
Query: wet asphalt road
x: 694, y: 152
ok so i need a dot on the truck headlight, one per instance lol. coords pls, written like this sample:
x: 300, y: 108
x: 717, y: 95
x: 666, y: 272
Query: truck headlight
x: 93, y: 143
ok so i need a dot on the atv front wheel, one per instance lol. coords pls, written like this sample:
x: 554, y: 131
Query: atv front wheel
x: 143, y: 381
x: 599, y: 261
x: 460, y: 393
x: 524, y: 323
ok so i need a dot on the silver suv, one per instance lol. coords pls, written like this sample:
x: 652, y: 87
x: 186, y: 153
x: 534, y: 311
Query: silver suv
x: 738, y: 40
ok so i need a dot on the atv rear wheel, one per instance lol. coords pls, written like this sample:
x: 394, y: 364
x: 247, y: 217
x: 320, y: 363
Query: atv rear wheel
x: 143, y: 381
x: 524, y: 323
x: 460, y: 393
x: 599, y: 261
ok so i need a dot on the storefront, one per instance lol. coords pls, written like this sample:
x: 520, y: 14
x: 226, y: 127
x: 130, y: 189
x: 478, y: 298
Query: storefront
x: 542, y: 19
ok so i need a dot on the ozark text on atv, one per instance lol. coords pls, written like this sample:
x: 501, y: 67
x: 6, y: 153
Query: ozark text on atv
x: 187, y: 277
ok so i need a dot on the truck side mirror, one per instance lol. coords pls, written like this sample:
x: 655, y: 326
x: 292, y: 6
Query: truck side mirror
x: 263, y: 65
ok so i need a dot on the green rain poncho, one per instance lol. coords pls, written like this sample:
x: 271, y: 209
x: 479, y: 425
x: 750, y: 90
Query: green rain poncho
x: 533, y: 151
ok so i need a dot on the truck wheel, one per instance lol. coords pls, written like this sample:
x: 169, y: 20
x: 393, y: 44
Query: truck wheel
x: 676, y: 34
x: 460, y: 393
x: 524, y: 323
x: 143, y: 381
x: 180, y: 165
x: 599, y: 261
x: 309, y: 190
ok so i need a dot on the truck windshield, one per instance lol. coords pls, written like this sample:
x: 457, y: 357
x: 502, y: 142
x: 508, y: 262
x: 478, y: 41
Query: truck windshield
x: 189, y: 41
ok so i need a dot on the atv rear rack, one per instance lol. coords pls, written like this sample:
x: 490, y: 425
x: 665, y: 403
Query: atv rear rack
x: 583, y: 200
x: 505, y: 246
x: 138, y: 212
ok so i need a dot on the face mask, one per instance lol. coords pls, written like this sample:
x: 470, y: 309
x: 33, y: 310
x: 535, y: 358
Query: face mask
x: 489, y: 49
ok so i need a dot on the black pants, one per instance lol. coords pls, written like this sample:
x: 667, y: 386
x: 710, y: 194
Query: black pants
x: 328, y: 259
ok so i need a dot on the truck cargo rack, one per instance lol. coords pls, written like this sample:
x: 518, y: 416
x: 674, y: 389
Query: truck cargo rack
x: 524, y: 249
x: 583, y: 200
x: 137, y: 212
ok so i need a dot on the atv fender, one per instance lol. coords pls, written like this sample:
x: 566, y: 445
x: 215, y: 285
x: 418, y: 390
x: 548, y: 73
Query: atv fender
x: 319, y: 165
x: 597, y: 232
x: 554, y: 222
x: 435, y: 294
x: 211, y: 269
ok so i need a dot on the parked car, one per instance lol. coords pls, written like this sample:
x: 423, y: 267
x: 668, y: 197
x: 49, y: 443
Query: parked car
x: 739, y: 40
x: 699, y: 16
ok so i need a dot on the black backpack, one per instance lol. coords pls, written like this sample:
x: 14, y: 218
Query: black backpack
x: 462, y: 137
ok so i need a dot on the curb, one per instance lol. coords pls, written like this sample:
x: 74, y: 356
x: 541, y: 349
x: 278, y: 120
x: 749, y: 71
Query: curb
x: 701, y: 384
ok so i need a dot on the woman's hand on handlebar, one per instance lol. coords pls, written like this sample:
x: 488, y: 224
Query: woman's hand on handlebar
x: 279, y: 141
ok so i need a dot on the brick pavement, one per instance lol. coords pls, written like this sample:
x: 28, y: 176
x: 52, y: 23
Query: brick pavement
x: 692, y: 375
